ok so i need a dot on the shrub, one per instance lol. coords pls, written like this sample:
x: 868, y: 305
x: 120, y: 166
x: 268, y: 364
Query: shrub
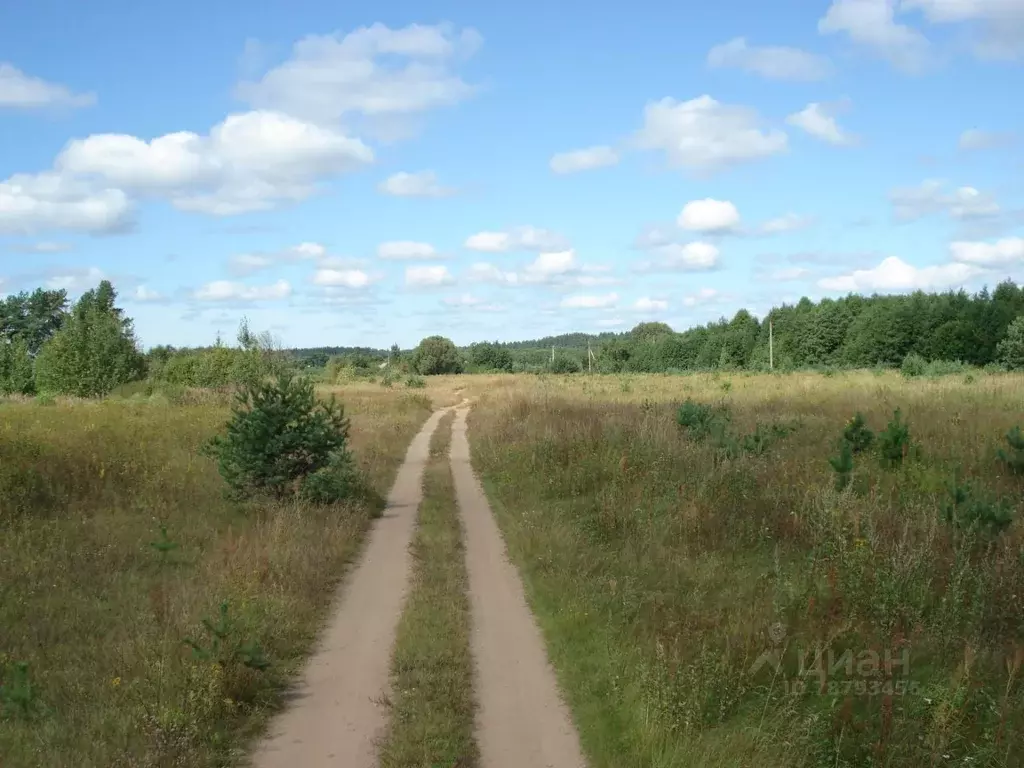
x: 415, y: 382
x: 338, y: 480
x: 565, y: 364
x: 1014, y: 457
x: 857, y: 434
x: 913, y: 365
x: 968, y: 510
x: 700, y: 420
x: 945, y: 367
x: 436, y: 355
x: 894, y: 441
x: 843, y: 465
x: 279, y: 433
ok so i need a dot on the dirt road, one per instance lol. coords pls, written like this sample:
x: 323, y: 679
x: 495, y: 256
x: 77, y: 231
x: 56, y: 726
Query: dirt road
x: 521, y: 719
x: 335, y: 718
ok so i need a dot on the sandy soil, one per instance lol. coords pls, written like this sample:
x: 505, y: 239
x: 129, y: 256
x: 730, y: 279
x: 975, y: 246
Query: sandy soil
x: 521, y: 720
x: 336, y: 717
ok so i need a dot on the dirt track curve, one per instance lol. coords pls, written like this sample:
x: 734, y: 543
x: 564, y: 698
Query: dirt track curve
x: 521, y: 720
x: 335, y: 718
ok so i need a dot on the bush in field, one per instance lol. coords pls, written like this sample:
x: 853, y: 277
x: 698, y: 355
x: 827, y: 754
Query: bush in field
x: 913, y: 365
x: 700, y: 420
x: 436, y: 355
x: 857, y: 434
x: 842, y: 464
x: 1013, y: 457
x: 94, y: 350
x: 415, y: 382
x: 968, y: 510
x: 565, y: 364
x: 894, y: 441
x: 1010, y: 351
x: 16, y: 374
x: 279, y: 436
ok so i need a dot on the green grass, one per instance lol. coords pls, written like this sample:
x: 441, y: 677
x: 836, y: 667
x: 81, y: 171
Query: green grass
x: 432, y: 700
x: 658, y: 566
x: 101, y: 617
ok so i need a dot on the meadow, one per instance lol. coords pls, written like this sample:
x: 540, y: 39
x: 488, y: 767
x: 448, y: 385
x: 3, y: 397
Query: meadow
x: 663, y: 567
x: 663, y: 563
x: 116, y: 541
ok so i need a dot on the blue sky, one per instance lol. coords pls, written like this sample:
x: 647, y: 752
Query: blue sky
x: 358, y: 177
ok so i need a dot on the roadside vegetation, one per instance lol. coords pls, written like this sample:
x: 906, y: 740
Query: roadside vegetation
x: 146, y: 618
x: 798, y: 570
x: 432, y: 700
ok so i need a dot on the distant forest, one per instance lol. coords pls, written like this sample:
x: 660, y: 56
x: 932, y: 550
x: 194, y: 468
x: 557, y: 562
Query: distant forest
x: 854, y: 331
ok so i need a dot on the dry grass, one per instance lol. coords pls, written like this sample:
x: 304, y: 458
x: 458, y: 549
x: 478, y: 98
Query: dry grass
x: 658, y: 568
x: 431, y: 671
x: 101, y: 619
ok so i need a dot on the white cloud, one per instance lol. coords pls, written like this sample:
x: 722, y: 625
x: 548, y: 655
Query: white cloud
x: 143, y: 294
x: 789, y: 273
x: 465, y: 300
x: 76, y: 280
x: 975, y: 138
x: 420, y: 184
x: 872, y: 24
x: 999, y: 23
x: 341, y: 278
x: 489, y: 273
x: 583, y: 159
x: 931, y: 196
x: 819, y: 121
x: 406, y: 249
x: 689, y: 257
x: 21, y: 91
x: 247, y: 263
x: 307, y: 251
x: 1005, y: 251
x: 647, y: 304
x: 44, y: 246
x: 709, y: 215
x: 590, y: 302
x: 225, y: 290
x: 772, y: 62
x: 894, y: 274
x: 426, y: 276
x: 375, y: 71
x: 789, y: 222
x: 549, y: 265
x: 519, y: 239
x: 50, y: 201
x: 249, y: 162
x: 704, y: 135
x: 469, y: 301
x: 703, y: 296
x: 610, y: 322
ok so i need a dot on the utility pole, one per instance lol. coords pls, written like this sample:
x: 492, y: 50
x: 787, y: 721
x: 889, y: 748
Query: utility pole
x: 771, y: 346
x: 552, y: 354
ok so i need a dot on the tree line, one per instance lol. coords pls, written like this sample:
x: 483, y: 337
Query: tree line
x: 89, y: 348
